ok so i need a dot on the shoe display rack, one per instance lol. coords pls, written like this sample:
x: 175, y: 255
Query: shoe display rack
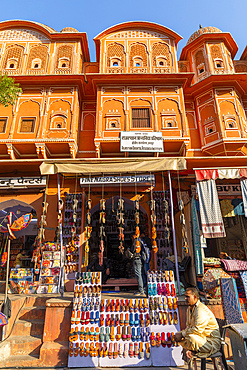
x: 50, y: 269
x: 163, y: 226
x: 123, y: 332
x: 71, y: 232
x: 164, y: 318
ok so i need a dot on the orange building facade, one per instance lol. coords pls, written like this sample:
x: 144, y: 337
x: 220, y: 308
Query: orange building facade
x: 72, y: 110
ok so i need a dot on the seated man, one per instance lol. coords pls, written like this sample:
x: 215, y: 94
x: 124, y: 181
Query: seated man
x: 95, y: 266
x: 19, y: 258
x: 201, y: 336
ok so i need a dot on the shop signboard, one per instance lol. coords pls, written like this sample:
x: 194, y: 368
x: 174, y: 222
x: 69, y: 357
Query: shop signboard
x: 124, y: 180
x: 22, y: 182
x: 233, y: 189
x: 134, y: 141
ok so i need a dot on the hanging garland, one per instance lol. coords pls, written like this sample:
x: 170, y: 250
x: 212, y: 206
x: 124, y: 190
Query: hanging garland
x: 153, y: 220
x: 88, y: 228
x: 102, y: 225
x: 182, y: 220
x: 166, y: 214
x: 120, y: 219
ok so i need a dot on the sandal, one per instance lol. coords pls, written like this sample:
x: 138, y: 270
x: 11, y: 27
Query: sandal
x: 125, y: 350
x: 101, y: 320
x: 148, y: 353
x: 160, y: 304
x: 115, y: 353
x: 108, y: 305
x: 131, y: 309
x: 145, y: 305
x: 113, y: 305
x: 167, y: 276
x: 156, y: 318
x: 141, y: 320
x: 102, y: 335
x: 163, y: 288
x: 93, y: 278
x: 168, y: 292
x: 83, y: 318
x: 122, y: 307
x: 101, y: 350
x: 141, y: 353
x: 136, y: 351
x: 155, y: 303
x: 150, y: 291
x: 175, y: 303
x: 112, y: 320
x: 96, y: 352
x: 81, y: 334
x: 170, y: 303
x: 117, y: 320
x: 151, y: 304
x: 138, y: 334
x: 161, y: 318
x: 136, y: 319
x: 92, y: 350
x: 82, y: 349
x: 151, y: 316
x: 175, y: 317
x: 105, y: 350
x: 86, y: 351
x: 131, y: 321
x: 126, y: 321
x: 87, y: 318
x: 133, y: 336
x: 117, y: 305
x: 165, y: 317
x: 158, y: 340
x: 169, y: 340
x: 152, y: 338
x: 110, y: 353
x: 96, y: 320
x: 108, y: 321
x: 91, y: 317
x: 96, y: 334
x: 163, y: 339
x: 131, y: 350
x: 124, y: 336
x: 107, y: 335
x: 91, y: 336
x: 129, y: 333
x: 173, y: 290
x: 121, y: 352
x: 165, y: 304
x: 147, y: 320
x: 98, y: 278
x: 112, y: 336
x: 171, y: 276
x: 118, y: 336
x: 121, y: 319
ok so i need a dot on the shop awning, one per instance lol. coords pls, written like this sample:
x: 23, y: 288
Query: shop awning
x: 220, y: 173
x: 123, y: 165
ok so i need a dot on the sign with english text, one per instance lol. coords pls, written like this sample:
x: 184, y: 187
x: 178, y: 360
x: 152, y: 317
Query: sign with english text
x: 132, y: 141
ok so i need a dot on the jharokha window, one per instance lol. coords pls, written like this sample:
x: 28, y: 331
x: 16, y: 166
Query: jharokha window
x: 141, y: 118
x: 27, y: 125
x: 3, y: 123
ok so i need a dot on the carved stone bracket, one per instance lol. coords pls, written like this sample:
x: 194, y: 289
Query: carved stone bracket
x: 73, y: 150
x: 41, y: 150
x: 11, y: 151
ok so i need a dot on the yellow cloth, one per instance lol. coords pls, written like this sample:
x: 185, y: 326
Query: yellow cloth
x: 18, y: 260
x: 227, y: 209
x: 202, y: 332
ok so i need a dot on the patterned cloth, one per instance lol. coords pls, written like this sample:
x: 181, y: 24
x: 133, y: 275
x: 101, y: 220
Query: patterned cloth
x: 211, y: 282
x: 230, y: 301
x: 196, y: 239
x: 244, y: 194
x: 227, y: 208
x: 234, y: 265
x: 238, y: 207
x: 212, y: 222
x: 243, y: 275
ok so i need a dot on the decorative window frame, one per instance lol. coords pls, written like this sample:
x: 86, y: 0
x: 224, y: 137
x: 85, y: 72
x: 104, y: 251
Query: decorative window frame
x: 199, y: 67
x: 218, y: 60
x: 113, y: 120
x: 168, y: 119
x: 63, y: 60
x: 6, y: 122
x: 210, y: 129
x: 150, y: 118
x: 63, y: 115
x: 12, y: 61
x: 23, y: 118
x: 230, y: 119
x: 36, y: 61
x: 137, y: 59
x: 113, y: 60
x: 161, y: 58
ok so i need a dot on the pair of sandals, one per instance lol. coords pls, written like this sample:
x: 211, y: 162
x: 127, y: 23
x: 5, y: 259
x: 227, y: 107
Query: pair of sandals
x: 152, y: 289
x: 145, y: 334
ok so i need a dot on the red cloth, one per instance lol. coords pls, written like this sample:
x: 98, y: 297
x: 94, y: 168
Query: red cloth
x: 206, y: 174
x: 243, y: 172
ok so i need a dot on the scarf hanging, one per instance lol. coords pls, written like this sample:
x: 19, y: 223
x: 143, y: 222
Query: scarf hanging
x: 212, y: 222
x: 244, y: 194
x: 196, y: 239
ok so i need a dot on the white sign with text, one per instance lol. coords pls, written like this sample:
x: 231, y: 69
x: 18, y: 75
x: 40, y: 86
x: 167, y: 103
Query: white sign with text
x: 132, y: 141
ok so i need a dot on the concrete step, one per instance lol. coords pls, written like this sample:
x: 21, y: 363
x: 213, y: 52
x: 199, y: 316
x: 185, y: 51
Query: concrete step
x: 33, y: 312
x: 35, y: 300
x: 22, y: 345
x: 25, y: 361
x: 32, y: 327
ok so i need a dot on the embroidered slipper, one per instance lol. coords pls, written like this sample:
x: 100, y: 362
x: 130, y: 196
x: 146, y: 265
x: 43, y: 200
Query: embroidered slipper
x: 165, y: 304
x: 159, y: 290
x: 147, y: 320
x: 105, y: 350
x: 117, y: 319
x: 108, y: 321
x: 145, y: 305
x: 118, y: 336
x: 170, y: 303
x: 136, y: 319
x: 86, y: 351
x: 165, y: 316
x: 154, y: 291
x: 152, y: 338
x: 158, y: 339
x: 138, y: 334
x: 81, y: 334
x: 93, y: 278
x: 160, y: 304
x: 96, y: 334
x: 136, y: 351
x: 150, y: 290
x: 126, y: 305
x: 83, y: 318
x: 125, y: 350
x: 131, y: 308
x: 126, y: 321
x: 71, y: 352
x: 121, y: 351
x: 96, y: 353
x: 122, y: 307
x: 110, y: 353
x: 92, y: 350
x: 167, y: 276
x: 112, y: 320
x: 98, y: 290
x: 112, y: 336
x: 147, y: 334
x: 77, y: 350
x: 108, y: 307
x: 121, y: 319
x: 107, y: 335
x: 151, y: 304
x: 143, y: 335
x: 102, y: 306
x: 163, y: 339
x: 129, y: 333
x: 141, y: 353
x: 92, y: 317
x: 173, y: 290
x: 169, y: 340
x: 155, y: 303
x: 113, y: 305
x: 161, y: 317
x: 156, y: 318
x: 163, y: 289
x: 124, y: 336
x: 91, y: 336
x: 133, y: 336
x: 115, y: 353
x: 168, y: 292
x: 101, y: 349
x: 131, y: 320
x: 148, y: 353
x: 86, y: 336
x: 82, y: 349
x: 141, y: 305
x: 175, y: 316
x: 151, y: 316
x: 175, y: 303
x: 171, y: 276
x: 117, y: 305
x: 87, y: 318
x: 102, y: 334
x: 102, y: 320
x: 98, y: 278
x: 141, y: 320
x: 131, y: 350
x: 96, y: 320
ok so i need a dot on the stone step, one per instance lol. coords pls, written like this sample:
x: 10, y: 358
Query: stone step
x: 35, y: 300
x: 33, y: 312
x: 28, y: 327
x: 22, y: 345
x: 25, y: 361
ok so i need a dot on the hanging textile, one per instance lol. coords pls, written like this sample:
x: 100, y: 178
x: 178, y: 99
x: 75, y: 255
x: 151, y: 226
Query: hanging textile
x: 211, y: 218
x: 234, y: 265
x: 238, y: 207
x: 242, y: 221
x: 231, y: 306
x: 227, y: 208
x: 3, y: 319
x: 229, y: 173
x: 196, y: 239
x: 243, y: 275
x: 244, y: 194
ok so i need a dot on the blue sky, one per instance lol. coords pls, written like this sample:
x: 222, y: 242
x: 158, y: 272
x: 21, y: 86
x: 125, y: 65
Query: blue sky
x: 92, y: 17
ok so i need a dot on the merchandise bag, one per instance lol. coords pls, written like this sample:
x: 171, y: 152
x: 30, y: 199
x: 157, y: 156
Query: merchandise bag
x: 50, y: 269
x: 164, y: 319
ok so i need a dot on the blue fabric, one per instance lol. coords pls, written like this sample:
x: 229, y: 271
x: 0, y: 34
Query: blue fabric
x: 238, y: 207
x: 137, y: 265
x: 196, y: 240
x: 231, y: 305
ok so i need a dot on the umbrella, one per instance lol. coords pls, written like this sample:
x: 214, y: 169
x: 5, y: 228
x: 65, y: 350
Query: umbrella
x: 211, y: 281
